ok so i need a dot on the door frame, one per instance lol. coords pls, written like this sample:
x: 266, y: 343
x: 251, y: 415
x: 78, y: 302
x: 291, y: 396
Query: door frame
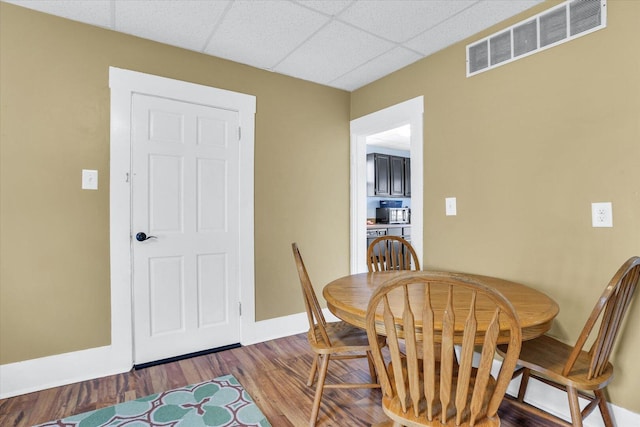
x: 407, y: 112
x: 123, y: 84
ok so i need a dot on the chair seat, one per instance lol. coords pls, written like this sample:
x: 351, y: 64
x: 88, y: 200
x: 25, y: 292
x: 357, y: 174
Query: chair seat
x: 341, y: 335
x: 393, y: 410
x: 548, y: 356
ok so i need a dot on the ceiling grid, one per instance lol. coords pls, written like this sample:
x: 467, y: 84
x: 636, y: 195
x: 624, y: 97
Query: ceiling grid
x: 344, y: 44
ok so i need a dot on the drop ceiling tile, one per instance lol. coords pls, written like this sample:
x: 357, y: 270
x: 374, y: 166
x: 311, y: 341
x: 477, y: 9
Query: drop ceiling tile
x: 186, y: 24
x: 401, y: 20
x: 332, y: 52
x: 262, y: 33
x: 377, y: 68
x: 340, y: 43
x: 328, y: 7
x: 97, y: 12
x: 471, y: 21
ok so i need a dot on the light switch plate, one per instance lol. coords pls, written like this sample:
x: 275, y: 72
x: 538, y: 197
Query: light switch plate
x: 89, y: 179
x: 450, y: 206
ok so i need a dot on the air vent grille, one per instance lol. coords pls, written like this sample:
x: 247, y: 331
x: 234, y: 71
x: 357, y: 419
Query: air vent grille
x: 585, y: 15
x: 557, y: 25
x: 525, y: 38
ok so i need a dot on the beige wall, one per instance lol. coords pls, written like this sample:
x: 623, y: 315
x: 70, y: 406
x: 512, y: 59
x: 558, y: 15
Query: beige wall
x: 54, y: 251
x: 526, y: 148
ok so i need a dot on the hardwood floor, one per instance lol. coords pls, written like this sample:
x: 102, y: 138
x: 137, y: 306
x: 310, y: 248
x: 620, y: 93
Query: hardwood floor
x: 274, y: 373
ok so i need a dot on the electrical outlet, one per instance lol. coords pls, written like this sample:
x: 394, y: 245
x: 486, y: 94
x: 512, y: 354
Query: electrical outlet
x: 601, y: 214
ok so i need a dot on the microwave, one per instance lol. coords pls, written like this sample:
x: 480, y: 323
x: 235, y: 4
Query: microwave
x: 393, y: 215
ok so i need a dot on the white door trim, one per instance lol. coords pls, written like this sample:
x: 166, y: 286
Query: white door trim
x: 410, y: 112
x: 123, y: 84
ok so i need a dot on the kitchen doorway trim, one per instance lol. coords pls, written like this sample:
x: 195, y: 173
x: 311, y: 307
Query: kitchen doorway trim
x: 407, y: 112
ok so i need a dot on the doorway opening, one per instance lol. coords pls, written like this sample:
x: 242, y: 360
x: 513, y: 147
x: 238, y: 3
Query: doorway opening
x: 406, y: 116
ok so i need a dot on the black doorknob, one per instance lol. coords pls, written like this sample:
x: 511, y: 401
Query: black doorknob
x: 141, y: 237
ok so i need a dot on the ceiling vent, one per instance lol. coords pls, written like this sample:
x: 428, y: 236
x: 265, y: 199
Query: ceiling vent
x: 557, y: 25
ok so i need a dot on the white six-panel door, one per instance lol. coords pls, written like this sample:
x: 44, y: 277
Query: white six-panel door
x: 185, y: 195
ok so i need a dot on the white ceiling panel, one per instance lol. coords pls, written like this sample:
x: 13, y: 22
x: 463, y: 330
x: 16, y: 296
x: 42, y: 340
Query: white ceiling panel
x: 328, y: 7
x: 186, y: 24
x: 377, y: 68
x: 344, y: 44
x: 401, y: 20
x: 334, y: 51
x: 262, y: 33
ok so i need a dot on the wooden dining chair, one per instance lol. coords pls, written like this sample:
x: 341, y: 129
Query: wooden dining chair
x: 391, y: 253
x: 331, y: 341
x: 429, y: 384
x: 574, y: 369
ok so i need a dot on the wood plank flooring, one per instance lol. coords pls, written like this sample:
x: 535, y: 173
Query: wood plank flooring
x: 274, y: 373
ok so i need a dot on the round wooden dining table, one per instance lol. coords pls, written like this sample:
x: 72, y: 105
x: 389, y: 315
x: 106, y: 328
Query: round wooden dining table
x: 347, y: 298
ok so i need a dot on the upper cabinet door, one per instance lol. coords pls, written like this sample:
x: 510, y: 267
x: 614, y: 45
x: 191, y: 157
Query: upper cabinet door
x: 397, y: 176
x: 378, y: 174
x: 407, y: 177
x: 388, y: 176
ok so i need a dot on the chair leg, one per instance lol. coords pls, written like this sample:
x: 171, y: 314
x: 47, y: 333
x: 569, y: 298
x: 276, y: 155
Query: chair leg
x: 604, y: 408
x: 574, y: 407
x: 524, y: 382
x: 314, y: 368
x: 322, y: 374
x: 372, y: 368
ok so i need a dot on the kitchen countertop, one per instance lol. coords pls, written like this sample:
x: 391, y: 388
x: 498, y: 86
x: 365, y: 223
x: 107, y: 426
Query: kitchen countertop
x: 376, y: 226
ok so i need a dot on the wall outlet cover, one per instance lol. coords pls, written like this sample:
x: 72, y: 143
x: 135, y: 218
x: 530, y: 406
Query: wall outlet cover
x: 602, y: 214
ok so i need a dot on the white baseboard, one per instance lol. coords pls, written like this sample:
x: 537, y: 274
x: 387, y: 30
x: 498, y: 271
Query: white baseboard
x: 272, y: 329
x: 53, y: 371
x: 61, y: 369
x: 281, y: 327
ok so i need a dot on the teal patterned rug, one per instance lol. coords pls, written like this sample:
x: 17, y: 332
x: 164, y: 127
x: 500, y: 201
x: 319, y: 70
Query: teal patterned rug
x: 219, y: 402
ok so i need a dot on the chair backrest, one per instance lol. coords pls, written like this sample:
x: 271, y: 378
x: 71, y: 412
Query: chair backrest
x: 391, y: 253
x: 609, y: 312
x: 427, y: 378
x: 316, y: 319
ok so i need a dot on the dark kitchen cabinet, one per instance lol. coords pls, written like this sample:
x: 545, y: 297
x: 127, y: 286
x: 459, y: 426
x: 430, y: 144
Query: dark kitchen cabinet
x: 387, y: 175
x: 397, y: 176
x: 407, y: 177
x: 378, y: 174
